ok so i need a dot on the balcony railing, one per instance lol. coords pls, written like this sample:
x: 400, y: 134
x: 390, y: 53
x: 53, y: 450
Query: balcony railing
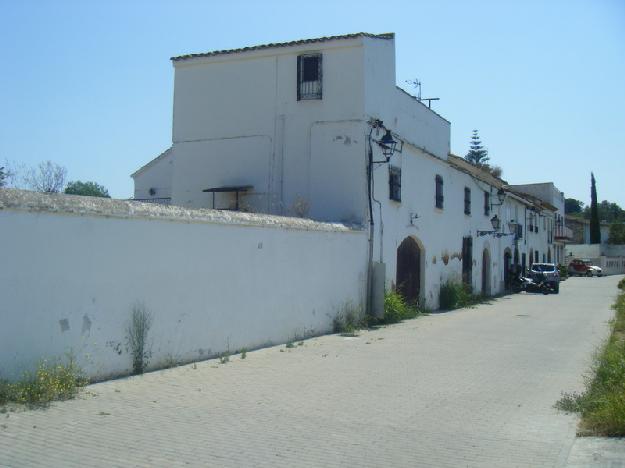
x: 563, y: 233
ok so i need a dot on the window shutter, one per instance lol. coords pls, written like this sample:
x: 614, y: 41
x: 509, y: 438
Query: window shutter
x: 299, y: 75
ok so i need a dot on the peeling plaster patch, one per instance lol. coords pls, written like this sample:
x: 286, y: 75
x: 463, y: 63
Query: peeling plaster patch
x: 86, y: 324
x: 64, y: 323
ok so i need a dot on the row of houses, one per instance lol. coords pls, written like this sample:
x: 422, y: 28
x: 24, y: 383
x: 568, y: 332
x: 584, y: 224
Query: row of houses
x: 317, y: 128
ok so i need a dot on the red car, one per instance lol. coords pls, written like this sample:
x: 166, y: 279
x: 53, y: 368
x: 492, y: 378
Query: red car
x: 583, y: 268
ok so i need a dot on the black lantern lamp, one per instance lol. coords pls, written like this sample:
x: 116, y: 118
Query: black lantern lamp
x: 388, y: 144
x: 496, y: 223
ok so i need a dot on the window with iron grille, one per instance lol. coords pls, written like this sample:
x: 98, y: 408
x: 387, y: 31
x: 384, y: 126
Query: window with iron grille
x: 394, y: 182
x: 439, y: 192
x: 486, y: 204
x: 467, y: 201
x: 308, y: 77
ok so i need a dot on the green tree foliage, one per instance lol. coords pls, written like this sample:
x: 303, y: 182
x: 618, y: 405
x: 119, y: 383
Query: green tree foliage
x: 3, y: 177
x: 609, y: 212
x: 573, y: 206
x: 595, y: 227
x: 88, y: 189
x: 477, y: 155
x: 617, y: 233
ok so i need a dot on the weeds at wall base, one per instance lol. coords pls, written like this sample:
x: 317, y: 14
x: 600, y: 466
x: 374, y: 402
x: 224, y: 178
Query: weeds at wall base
x: 50, y: 382
x: 350, y: 320
x: 456, y: 296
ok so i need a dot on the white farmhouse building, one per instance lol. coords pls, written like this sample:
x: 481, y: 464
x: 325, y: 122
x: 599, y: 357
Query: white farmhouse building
x: 318, y: 128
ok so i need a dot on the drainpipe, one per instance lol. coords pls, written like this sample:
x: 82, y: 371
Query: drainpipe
x: 371, y: 225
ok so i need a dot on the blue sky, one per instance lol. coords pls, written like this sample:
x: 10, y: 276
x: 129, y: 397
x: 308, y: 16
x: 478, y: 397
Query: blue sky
x: 89, y: 85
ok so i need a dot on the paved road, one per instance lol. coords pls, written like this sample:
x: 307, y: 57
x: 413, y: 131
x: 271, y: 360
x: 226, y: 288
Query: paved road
x: 473, y: 387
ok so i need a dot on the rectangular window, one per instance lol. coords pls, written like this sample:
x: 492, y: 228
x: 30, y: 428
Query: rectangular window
x: 439, y: 192
x: 467, y: 201
x: 394, y: 183
x: 308, y: 77
x: 486, y: 204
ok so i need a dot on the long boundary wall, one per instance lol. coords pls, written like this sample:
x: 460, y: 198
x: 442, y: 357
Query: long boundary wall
x: 73, y: 268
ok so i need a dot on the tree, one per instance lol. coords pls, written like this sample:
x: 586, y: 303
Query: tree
x: 573, y: 206
x: 477, y: 155
x: 2, y: 176
x: 89, y: 189
x: 47, y: 177
x: 617, y: 233
x: 595, y: 227
x: 496, y: 171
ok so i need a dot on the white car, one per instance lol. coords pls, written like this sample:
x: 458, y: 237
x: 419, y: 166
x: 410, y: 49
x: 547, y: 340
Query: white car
x: 594, y: 271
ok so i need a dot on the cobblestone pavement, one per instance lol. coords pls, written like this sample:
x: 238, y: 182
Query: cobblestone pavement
x: 473, y: 387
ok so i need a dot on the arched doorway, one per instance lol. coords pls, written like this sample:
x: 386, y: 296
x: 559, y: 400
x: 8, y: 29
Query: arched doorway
x: 486, y: 273
x: 409, y: 270
x: 507, y: 260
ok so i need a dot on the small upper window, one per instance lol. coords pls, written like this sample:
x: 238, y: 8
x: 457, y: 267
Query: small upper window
x: 467, y: 201
x: 439, y: 192
x: 394, y: 182
x: 308, y: 77
x: 486, y: 203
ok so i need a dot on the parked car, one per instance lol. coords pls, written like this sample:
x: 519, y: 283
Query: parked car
x: 584, y: 267
x: 547, y: 272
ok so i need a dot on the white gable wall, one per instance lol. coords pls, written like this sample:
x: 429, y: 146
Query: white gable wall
x: 157, y: 176
x: 237, y: 121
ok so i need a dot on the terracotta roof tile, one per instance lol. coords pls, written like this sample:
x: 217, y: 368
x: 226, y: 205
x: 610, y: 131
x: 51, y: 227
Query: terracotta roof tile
x: 283, y: 44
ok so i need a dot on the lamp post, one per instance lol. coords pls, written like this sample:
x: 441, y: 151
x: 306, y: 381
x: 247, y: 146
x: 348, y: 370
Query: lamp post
x: 496, y: 223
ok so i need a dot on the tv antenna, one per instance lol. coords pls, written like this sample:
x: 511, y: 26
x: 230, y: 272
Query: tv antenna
x: 416, y: 83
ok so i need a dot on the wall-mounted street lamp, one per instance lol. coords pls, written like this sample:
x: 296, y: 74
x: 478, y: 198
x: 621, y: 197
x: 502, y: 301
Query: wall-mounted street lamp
x: 496, y: 223
x: 501, y: 196
x: 387, y: 143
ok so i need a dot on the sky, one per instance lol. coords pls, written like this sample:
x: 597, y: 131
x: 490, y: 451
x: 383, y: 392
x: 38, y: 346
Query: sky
x: 89, y: 85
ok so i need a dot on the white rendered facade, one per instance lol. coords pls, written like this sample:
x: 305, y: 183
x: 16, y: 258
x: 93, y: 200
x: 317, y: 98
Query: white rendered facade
x: 238, y: 122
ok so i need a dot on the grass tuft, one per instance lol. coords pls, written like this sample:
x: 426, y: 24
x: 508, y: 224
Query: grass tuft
x: 397, y: 309
x: 51, y: 381
x: 349, y: 320
x: 457, y: 295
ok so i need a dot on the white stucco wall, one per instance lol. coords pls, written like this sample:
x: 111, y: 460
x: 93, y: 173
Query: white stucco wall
x: 237, y: 120
x: 157, y: 176
x: 213, y: 281
x: 438, y: 232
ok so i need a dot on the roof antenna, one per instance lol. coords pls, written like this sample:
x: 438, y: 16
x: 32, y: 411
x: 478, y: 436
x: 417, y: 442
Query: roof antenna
x: 416, y: 84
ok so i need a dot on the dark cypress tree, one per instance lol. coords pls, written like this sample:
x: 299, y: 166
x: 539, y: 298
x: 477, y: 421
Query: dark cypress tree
x: 2, y: 177
x: 595, y: 227
x: 477, y: 155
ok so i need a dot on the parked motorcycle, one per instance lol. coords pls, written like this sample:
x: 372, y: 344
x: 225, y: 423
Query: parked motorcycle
x: 537, y: 284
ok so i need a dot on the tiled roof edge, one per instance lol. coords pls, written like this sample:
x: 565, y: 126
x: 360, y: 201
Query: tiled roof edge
x: 283, y: 44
